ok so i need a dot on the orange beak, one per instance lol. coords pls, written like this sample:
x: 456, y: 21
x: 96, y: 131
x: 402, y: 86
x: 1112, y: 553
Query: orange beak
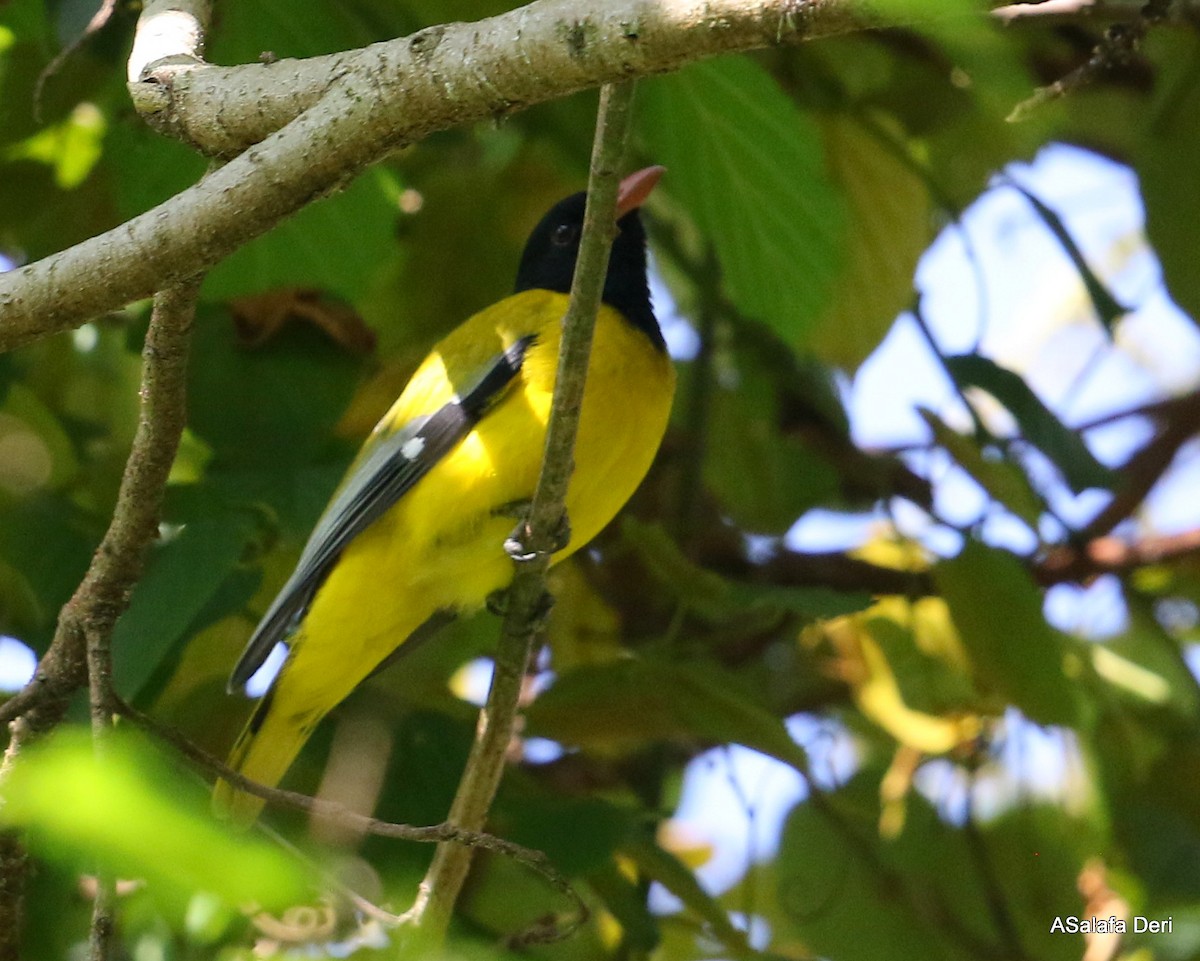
x: 636, y: 188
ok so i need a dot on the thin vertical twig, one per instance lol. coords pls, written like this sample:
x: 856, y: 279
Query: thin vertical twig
x: 439, y: 890
x: 160, y: 423
x: 80, y: 651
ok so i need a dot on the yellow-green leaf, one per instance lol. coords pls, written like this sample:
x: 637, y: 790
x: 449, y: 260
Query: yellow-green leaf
x: 1002, y: 479
x: 127, y: 813
x: 890, y: 227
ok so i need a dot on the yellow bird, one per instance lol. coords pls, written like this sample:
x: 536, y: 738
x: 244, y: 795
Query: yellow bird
x: 415, y: 533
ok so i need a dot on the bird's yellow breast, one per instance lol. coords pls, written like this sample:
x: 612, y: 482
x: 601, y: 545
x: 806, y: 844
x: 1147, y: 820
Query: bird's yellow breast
x: 441, y: 545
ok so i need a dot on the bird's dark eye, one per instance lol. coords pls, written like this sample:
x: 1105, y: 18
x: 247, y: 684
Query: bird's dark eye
x: 564, y: 234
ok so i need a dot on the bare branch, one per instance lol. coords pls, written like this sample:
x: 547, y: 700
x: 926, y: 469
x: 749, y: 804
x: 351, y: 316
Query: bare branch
x: 1112, y: 555
x: 1121, y: 41
x: 1178, y: 421
x: 100, y: 20
x: 14, y: 865
x: 1054, y: 12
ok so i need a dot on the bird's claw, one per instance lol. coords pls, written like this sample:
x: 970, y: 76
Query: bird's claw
x: 497, y: 603
x: 515, y: 545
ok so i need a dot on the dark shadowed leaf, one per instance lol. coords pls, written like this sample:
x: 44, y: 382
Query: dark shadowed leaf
x: 1037, y: 423
x: 934, y: 890
x: 182, y: 579
x: 636, y: 701
x: 890, y: 226
x: 1002, y: 479
x: 1107, y: 307
x: 271, y: 407
x: 1170, y: 143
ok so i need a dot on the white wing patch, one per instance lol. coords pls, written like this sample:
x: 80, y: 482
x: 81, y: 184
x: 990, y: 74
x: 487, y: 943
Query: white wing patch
x: 412, y: 448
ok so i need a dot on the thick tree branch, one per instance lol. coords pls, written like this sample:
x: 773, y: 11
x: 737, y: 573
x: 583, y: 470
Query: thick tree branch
x: 526, y: 597
x: 1055, y: 12
x: 1061, y: 564
x: 1178, y: 421
x: 14, y: 865
x: 1112, y: 555
x: 503, y: 64
x: 169, y: 32
x: 458, y: 72
x: 335, y: 116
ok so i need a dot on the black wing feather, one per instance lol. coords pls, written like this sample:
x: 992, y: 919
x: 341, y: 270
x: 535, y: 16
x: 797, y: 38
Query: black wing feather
x: 390, y: 470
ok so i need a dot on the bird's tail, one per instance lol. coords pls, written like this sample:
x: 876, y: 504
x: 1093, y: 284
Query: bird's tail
x: 263, y: 752
x: 312, y: 682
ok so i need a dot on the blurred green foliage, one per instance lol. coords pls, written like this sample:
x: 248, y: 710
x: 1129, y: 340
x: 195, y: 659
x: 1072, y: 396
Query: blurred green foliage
x: 803, y: 186
x: 142, y: 820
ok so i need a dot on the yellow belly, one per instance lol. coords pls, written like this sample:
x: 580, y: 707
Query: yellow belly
x: 441, y: 546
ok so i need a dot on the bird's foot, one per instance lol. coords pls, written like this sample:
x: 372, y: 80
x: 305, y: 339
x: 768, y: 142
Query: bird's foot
x: 516, y: 544
x: 497, y: 603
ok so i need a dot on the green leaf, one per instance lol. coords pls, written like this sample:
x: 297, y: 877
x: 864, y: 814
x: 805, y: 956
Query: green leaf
x: 625, y: 900
x: 997, y: 610
x: 1143, y: 667
x: 247, y: 29
x: 337, y: 244
x: 749, y: 169
x: 1168, y: 145
x: 37, y: 217
x: 718, y: 600
x: 72, y: 146
x: 23, y: 55
x: 922, y: 653
x: 38, y: 452
x: 1036, y: 421
x: 1156, y: 814
x: 1107, y: 307
x: 130, y: 815
x: 578, y: 835
x: 295, y: 496
x: 834, y: 869
x: 1002, y: 479
x: 272, y: 407
x: 1034, y: 854
x: 153, y: 168
x: 182, y: 577
x: 890, y: 227
x: 829, y: 882
x: 763, y: 478
x: 8, y: 375
x: 47, y: 540
x: 664, y: 867
x: 636, y: 701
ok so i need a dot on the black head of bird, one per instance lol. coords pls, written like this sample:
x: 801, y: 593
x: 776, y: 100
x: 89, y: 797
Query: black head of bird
x: 548, y: 261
